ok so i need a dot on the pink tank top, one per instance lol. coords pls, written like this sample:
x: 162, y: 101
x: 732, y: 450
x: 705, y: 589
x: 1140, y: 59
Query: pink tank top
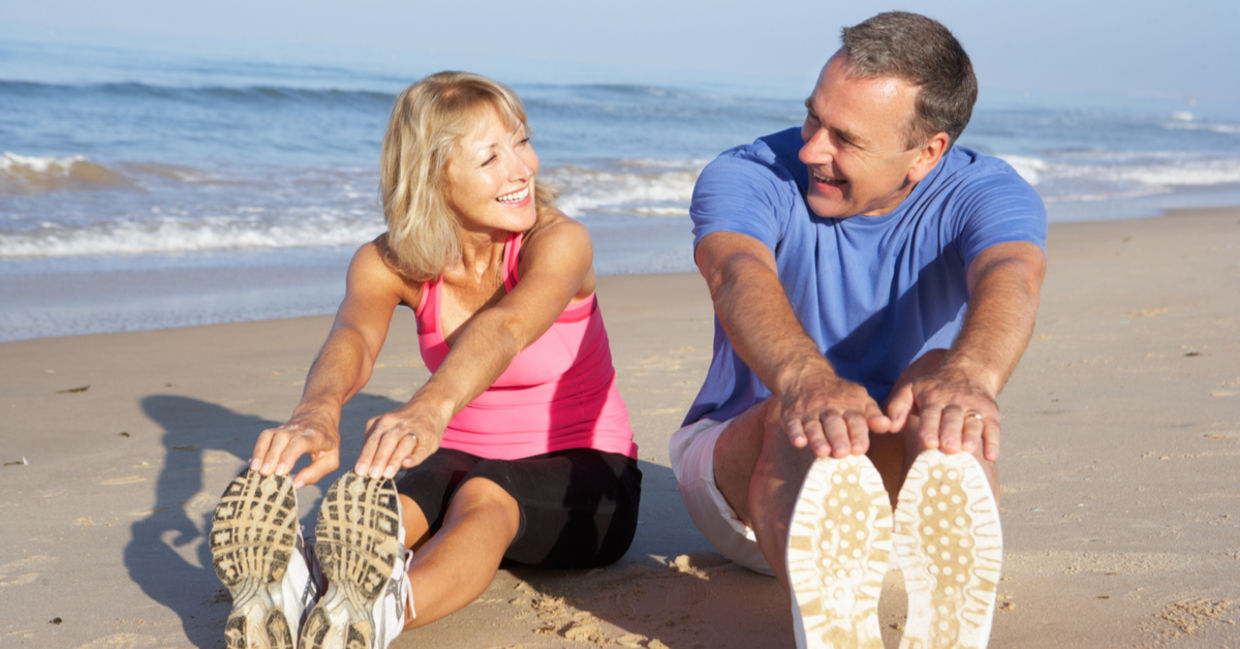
x: 558, y: 393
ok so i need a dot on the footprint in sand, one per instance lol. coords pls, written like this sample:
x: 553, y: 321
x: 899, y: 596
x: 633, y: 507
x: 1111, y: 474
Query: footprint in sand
x: 20, y: 572
x: 1190, y: 615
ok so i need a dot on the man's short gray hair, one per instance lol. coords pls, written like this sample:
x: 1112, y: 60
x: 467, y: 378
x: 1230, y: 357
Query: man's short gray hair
x: 924, y: 53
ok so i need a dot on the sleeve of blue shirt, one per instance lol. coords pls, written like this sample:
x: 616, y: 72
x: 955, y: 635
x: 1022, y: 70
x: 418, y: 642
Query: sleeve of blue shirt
x: 738, y: 192
x: 999, y: 207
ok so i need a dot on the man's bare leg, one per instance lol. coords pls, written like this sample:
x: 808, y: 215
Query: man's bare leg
x: 824, y: 527
x: 760, y: 474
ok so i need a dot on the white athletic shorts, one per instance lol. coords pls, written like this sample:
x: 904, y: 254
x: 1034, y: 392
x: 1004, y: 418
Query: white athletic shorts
x: 692, y: 451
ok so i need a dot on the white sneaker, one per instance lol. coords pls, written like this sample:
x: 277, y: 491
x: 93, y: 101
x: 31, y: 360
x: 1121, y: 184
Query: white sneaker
x: 839, y: 542
x: 950, y: 546
x: 259, y: 556
x: 360, y: 541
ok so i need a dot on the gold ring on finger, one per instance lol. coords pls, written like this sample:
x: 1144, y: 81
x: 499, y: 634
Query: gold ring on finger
x: 973, y: 415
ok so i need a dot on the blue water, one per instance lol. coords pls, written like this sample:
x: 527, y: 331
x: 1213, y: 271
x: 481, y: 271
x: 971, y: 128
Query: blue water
x: 140, y: 190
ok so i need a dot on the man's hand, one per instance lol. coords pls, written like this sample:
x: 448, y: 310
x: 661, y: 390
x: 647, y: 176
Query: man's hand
x: 832, y: 416
x: 953, y: 391
x: 956, y: 413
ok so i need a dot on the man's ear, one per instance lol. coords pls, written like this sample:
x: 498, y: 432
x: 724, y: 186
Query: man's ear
x: 931, y: 151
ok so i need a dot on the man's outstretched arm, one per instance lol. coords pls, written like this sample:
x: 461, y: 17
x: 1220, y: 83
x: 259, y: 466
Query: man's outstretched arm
x: 817, y: 408
x: 956, y: 402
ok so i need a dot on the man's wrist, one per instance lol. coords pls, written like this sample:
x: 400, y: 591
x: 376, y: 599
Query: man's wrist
x: 791, y: 373
x: 976, y: 372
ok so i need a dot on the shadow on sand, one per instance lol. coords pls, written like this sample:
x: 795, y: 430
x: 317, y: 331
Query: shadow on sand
x: 665, y: 587
x: 205, y: 446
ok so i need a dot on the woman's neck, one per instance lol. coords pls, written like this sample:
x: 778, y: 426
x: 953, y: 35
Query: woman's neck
x: 482, y: 254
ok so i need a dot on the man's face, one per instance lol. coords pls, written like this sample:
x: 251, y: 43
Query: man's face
x: 855, y: 143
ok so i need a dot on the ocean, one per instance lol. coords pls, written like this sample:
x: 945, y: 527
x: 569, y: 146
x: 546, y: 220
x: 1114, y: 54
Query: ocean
x: 142, y: 190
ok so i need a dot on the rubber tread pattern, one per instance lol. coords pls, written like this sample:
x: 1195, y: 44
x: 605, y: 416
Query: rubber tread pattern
x: 839, y: 543
x: 253, y: 536
x: 950, y: 548
x: 358, y: 545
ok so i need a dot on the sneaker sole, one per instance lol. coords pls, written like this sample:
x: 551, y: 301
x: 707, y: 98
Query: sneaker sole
x: 253, y: 536
x: 357, y: 545
x: 839, y: 543
x: 950, y: 548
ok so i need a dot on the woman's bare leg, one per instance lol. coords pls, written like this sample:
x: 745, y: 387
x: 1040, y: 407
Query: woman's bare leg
x: 456, y: 564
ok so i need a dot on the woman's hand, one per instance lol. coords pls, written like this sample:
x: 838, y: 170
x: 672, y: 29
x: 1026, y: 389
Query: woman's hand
x: 315, y: 433
x: 401, y: 438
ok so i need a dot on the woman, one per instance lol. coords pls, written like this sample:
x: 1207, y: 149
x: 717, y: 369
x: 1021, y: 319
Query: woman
x: 518, y: 447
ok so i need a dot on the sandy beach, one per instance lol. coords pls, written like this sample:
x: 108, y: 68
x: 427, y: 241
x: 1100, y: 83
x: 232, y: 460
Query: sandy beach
x: 1120, y: 453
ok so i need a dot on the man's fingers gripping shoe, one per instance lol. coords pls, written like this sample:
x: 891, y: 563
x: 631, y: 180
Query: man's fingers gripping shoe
x: 360, y: 541
x: 258, y: 554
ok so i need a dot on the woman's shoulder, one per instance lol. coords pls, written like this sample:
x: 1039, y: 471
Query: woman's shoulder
x: 374, y: 257
x: 554, y: 224
x: 561, y: 247
x: 375, y: 267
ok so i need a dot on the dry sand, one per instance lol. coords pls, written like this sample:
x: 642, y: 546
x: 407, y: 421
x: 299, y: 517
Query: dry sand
x: 1120, y: 456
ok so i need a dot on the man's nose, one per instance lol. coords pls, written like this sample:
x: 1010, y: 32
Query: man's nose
x: 818, y: 149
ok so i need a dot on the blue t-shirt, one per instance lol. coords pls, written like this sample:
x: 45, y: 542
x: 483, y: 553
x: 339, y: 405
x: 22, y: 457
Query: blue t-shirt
x: 875, y: 292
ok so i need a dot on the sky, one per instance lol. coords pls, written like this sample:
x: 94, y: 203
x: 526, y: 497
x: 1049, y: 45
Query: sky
x: 1110, y: 48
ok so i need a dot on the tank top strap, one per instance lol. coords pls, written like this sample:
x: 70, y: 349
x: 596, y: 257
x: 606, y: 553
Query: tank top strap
x: 427, y: 312
x: 512, y: 258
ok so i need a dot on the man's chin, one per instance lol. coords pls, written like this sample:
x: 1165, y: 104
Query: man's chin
x: 826, y: 209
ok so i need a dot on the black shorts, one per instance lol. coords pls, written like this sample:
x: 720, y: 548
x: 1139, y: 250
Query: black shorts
x: 578, y: 506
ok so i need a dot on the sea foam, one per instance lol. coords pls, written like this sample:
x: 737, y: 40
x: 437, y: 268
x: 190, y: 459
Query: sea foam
x: 172, y: 236
x: 21, y: 174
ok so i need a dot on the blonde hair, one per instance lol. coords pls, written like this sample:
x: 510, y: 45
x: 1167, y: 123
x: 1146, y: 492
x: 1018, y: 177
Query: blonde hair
x: 429, y: 118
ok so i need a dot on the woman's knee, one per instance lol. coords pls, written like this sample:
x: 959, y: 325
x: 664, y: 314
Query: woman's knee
x: 484, y: 497
x: 417, y: 527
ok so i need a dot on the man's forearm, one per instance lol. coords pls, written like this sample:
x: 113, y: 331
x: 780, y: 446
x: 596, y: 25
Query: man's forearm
x: 1003, y: 306
x: 757, y: 317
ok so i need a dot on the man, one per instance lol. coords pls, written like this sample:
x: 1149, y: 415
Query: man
x: 864, y: 260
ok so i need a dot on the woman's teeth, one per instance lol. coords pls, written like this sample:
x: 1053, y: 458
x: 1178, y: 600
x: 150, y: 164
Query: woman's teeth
x: 515, y: 197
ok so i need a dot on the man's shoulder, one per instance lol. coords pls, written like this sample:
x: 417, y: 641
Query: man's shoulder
x: 968, y: 179
x: 778, y: 149
x: 753, y: 189
x: 983, y: 196
x: 781, y: 144
x: 963, y: 165
x: 769, y: 161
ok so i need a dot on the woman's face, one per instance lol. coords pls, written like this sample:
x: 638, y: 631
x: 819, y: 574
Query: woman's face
x: 490, y: 176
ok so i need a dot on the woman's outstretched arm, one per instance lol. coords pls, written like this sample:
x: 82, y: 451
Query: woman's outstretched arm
x: 341, y: 370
